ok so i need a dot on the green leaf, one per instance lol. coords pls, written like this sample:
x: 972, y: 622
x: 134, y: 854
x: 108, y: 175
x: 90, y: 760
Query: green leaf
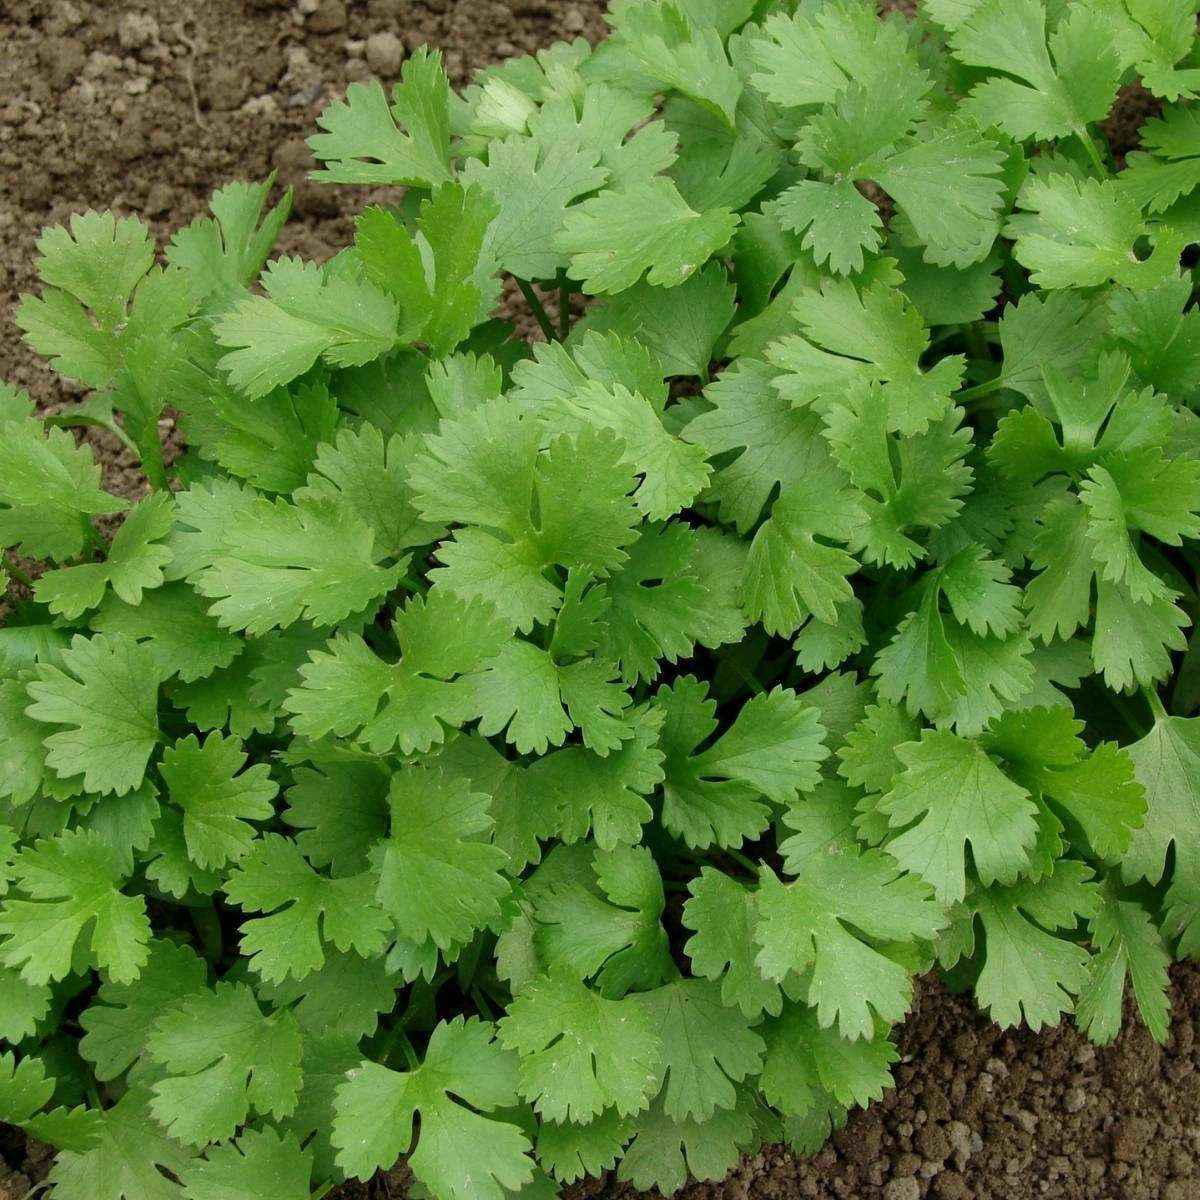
x: 706, y: 1049
x: 133, y: 565
x: 218, y: 804
x: 837, y: 221
x: 1066, y: 81
x: 281, y: 561
x: 308, y: 313
x: 771, y: 750
x: 655, y: 231
x: 606, y: 795
x: 106, y: 695
x: 664, y: 1152
x: 673, y: 472
x: 119, y: 1019
x: 670, y: 597
x: 460, y: 1154
x: 1166, y: 762
x: 723, y: 915
x: 951, y: 795
x: 346, y: 689
x: 1029, y: 972
x: 437, y: 878
x: 804, y: 925
x: 306, y: 910
x: 570, y: 1151
x: 223, y: 1060
x: 407, y: 141
x: 807, y: 1067
x: 1082, y: 233
x: 620, y: 940
x: 75, y: 911
x: 174, y: 624
x: 47, y: 483
x: 581, y: 1053
x: 790, y: 575
x: 1128, y: 947
x: 260, y: 1165
x: 129, y: 1160
x: 532, y: 185
x: 227, y: 250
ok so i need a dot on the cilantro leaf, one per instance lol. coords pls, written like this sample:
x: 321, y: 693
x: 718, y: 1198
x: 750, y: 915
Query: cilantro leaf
x: 1166, y: 763
x: 119, y: 1020
x: 723, y: 914
x: 133, y: 564
x: 536, y: 701
x: 128, y: 1159
x: 460, y: 1153
x: 770, y: 751
x: 657, y: 233
x: 620, y: 939
x: 306, y: 909
x: 1061, y: 83
x: 308, y: 313
x: 437, y: 878
x: 368, y: 139
x: 533, y: 184
x: 281, y: 561
x: 789, y: 575
x: 949, y: 795
x: 802, y: 926
x: 105, y: 694
x: 1081, y: 233
x: 75, y: 911
x: 269, y: 1162
x: 569, y: 1151
x: 347, y: 689
x: 47, y: 483
x: 581, y: 1053
x: 224, y: 1059
x: 1129, y: 946
x: 668, y: 598
x: 218, y: 804
x: 665, y: 1152
x: 808, y: 1067
x: 837, y: 221
x: 1030, y: 972
x: 706, y: 1049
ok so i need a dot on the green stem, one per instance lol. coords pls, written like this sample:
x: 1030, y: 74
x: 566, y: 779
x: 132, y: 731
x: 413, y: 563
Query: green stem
x: 1156, y: 705
x: 981, y: 389
x: 410, y: 1054
x: 149, y: 450
x: 323, y: 1190
x: 1093, y: 153
x: 93, y: 535
x: 481, y: 1003
x: 743, y: 860
x: 15, y: 572
x: 564, y: 305
x: 1122, y: 708
x: 747, y: 677
x: 208, y: 926
x: 537, y: 308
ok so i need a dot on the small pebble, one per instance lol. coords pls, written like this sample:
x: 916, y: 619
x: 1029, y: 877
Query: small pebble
x: 385, y: 53
x: 135, y: 30
x: 902, y: 1189
x: 330, y: 16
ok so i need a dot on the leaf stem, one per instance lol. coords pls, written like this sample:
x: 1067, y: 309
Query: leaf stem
x: 537, y: 308
x: 1089, y: 145
x: 1156, y: 705
x: 747, y: 677
x: 564, y: 305
x: 981, y: 389
x: 322, y: 1191
x: 208, y: 926
x: 19, y: 574
x: 742, y: 860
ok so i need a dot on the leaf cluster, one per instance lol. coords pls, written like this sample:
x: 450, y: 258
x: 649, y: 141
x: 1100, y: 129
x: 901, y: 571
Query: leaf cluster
x: 529, y: 758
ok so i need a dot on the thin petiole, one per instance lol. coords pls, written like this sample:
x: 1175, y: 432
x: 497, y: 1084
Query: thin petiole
x: 537, y: 308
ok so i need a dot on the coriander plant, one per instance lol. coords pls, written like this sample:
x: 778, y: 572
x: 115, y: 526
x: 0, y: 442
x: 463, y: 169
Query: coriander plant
x: 530, y: 758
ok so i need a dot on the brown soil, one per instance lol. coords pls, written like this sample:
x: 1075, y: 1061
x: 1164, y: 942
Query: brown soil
x: 146, y: 106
